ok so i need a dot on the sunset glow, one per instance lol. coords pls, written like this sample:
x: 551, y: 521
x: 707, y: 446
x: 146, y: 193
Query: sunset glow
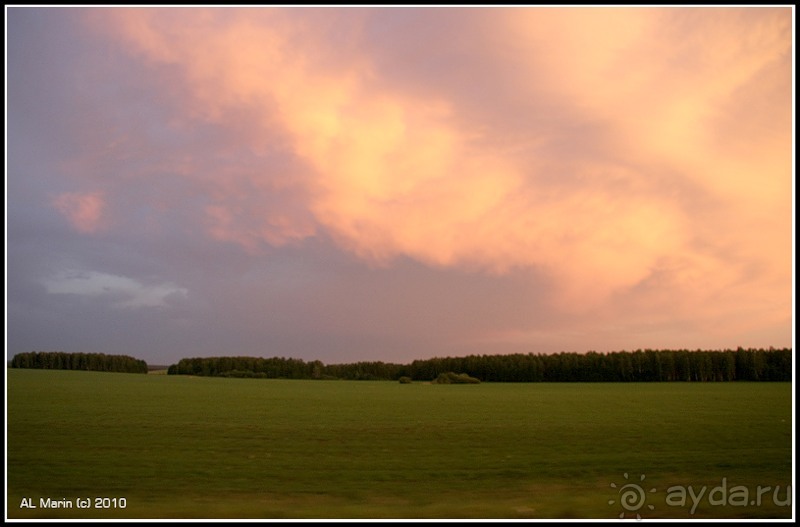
x: 388, y: 184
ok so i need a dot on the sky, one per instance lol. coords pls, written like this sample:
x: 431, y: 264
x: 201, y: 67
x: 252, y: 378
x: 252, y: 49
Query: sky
x: 396, y: 183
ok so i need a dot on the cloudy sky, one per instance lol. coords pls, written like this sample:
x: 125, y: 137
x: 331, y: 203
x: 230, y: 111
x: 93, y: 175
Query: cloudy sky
x: 351, y: 184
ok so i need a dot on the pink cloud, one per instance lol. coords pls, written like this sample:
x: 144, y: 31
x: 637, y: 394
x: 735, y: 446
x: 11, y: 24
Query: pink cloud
x: 84, y: 210
x: 674, y: 205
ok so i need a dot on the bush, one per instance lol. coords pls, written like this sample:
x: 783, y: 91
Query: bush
x: 243, y: 374
x: 405, y: 380
x: 455, y: 378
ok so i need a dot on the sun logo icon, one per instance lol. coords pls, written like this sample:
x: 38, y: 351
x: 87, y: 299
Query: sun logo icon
x: 632, y: 497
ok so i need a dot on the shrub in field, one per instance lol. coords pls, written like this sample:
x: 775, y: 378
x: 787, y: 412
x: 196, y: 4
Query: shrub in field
x: 405, y: 380
x: 455, y: 378
x: 243, y: 374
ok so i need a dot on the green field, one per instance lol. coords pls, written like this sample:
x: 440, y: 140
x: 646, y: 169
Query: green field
x: 179, y: 447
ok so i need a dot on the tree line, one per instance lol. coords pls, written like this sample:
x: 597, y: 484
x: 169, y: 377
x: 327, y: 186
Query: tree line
x: 59, y: 360
x: 272, y: 368
x: 623, y: 366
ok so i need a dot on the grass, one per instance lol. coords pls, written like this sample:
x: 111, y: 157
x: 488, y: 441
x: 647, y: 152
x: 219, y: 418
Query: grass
x: 191, y: 447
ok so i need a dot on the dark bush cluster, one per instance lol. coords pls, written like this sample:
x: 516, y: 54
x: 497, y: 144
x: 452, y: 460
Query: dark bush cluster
x: 455, y: 378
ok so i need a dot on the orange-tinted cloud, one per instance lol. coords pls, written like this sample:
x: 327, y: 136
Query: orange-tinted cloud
x: 689, y: 193
x: 84, y: 210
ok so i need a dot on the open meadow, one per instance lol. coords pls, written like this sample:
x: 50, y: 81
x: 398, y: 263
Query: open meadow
x: 177, y: 447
